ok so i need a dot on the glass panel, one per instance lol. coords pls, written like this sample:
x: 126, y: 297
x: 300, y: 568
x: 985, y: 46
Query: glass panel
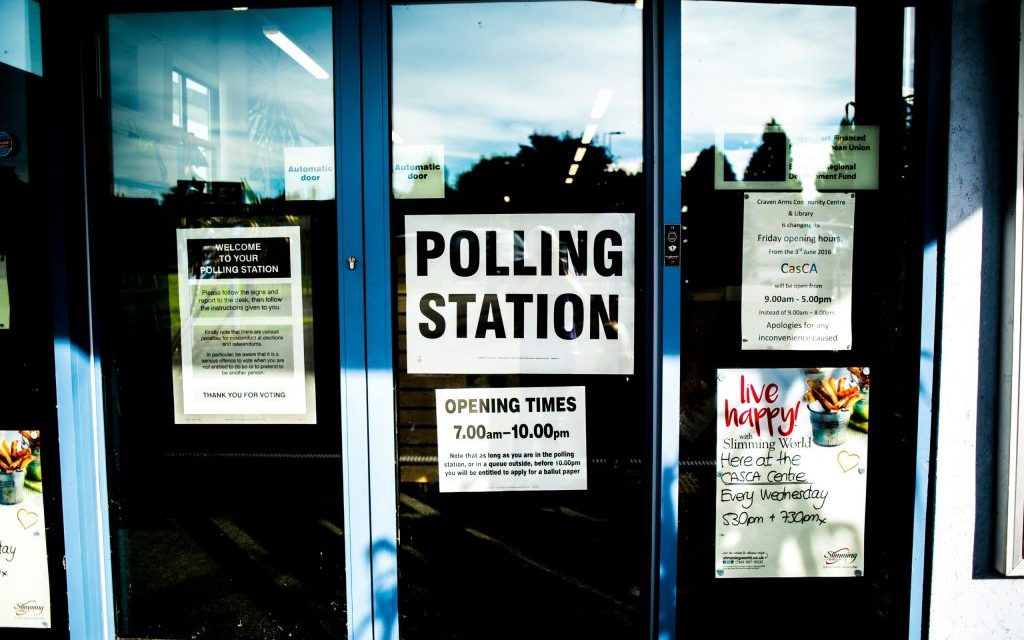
x: 225, y: 472
x: 517, y: 183
x: 33, y: 591
x: 799, y: 299
x: 234, y: 85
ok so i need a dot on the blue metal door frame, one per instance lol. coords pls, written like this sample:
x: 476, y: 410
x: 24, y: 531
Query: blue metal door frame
x: 362, y: 147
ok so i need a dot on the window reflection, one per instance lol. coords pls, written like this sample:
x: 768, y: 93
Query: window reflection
x: 783, y: 72
x: 556, y: 73
x: 224, y: 96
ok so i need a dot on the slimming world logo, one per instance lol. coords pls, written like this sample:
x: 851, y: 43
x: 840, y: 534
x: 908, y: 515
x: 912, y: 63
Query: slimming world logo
x: 30, y: 608
x: 843, y: 554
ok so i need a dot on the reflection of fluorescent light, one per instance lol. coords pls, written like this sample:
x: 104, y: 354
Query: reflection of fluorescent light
x: 397, y: 139
x: 298, y: 55
x: 568, y: 181
x: 639, y: 4
x: 579, y: 154
x: 573, y: 168
x: 601, y: 104
x: 588, y: 133
x: 506, y: 199
x: 239, y: 8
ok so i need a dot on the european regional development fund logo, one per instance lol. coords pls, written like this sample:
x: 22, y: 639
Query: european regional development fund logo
x: 836, y: 556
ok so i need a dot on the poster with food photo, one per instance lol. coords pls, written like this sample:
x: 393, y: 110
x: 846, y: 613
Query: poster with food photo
x: 24, y: 578
x: 791, y: 467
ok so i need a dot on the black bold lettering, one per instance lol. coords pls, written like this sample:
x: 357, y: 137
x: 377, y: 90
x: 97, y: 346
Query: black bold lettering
x: 427, y: 304
x: 608, y: 263
x: 423, y: 253
x: 490, y: 318
x: 601, y: 316
x: 473, y: 244
x: 545, y: 253
x: 542, y: 315
x: 519, y: 266
x: 461, y: 300
x: 518, y: 317
x: 576, y: 255
x: 577, y: 316
x: 491, y: 241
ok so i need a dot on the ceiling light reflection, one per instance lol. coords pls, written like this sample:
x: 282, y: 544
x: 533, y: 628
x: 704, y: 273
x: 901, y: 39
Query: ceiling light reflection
x: 573, y: 168
x: 588, y: 133
x: 604, y: 96
x: 579, y: 154
x: 295, y: 53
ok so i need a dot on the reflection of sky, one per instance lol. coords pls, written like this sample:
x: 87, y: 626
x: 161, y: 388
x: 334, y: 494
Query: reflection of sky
x: 743, y: 64
x: 480, y: 78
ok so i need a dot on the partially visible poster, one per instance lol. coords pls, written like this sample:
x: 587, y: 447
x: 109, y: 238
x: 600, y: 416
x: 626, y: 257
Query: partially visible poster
x: 520, y: 293
x: 24, y: 575
x: 5, y: 296
x: 797, y: 271
x: 512, y: 439
x: 245, y: 348
x: 792, y: 461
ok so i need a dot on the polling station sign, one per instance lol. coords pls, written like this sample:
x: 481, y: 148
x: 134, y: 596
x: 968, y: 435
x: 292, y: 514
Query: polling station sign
x: 520, y: 293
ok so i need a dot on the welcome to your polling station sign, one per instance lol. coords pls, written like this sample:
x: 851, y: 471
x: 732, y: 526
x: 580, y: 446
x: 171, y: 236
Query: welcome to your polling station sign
x: 520, y: 293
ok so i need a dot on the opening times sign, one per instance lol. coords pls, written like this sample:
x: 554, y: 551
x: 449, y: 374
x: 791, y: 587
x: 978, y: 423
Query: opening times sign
x: 797, y: 271
x: 242, y: 328
x: 791, y: 474
x: 512, y: 439
x: 520, y: 293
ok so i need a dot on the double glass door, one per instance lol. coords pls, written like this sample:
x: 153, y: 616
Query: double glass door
x: 395, y: 341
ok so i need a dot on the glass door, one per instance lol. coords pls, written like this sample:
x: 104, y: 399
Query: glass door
x: 517, y: 222
x: 32, y: 580
x: 803, y: 208
x: 217, y: 297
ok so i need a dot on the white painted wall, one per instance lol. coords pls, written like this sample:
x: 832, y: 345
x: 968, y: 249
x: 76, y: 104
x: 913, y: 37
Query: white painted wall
x: 969, y: 599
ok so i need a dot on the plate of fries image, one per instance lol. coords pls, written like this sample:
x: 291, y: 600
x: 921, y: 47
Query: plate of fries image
x: 15, y: 457
x: 831, y: 404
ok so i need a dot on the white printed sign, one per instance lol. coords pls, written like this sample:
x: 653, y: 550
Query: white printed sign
x: 791, y: 474
x: 807, y: 158
x: 5, y: 296
x: 418, y: 171
x: 309, y: 173
x: 24, y: 574
x: 513, y: 439
x: 241, y: 309
x: 797, y: 271
x: 520, y: 293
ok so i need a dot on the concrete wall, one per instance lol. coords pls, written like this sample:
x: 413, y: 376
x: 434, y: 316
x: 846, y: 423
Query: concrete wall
x: 969, y: 599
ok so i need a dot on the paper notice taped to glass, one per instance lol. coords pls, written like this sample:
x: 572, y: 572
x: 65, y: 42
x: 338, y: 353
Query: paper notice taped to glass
x: 797, y: 271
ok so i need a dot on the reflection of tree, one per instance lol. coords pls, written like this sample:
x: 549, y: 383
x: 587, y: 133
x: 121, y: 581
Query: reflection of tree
x: 534, y: 179
x: 841, y: 156
x: 770, y: 161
